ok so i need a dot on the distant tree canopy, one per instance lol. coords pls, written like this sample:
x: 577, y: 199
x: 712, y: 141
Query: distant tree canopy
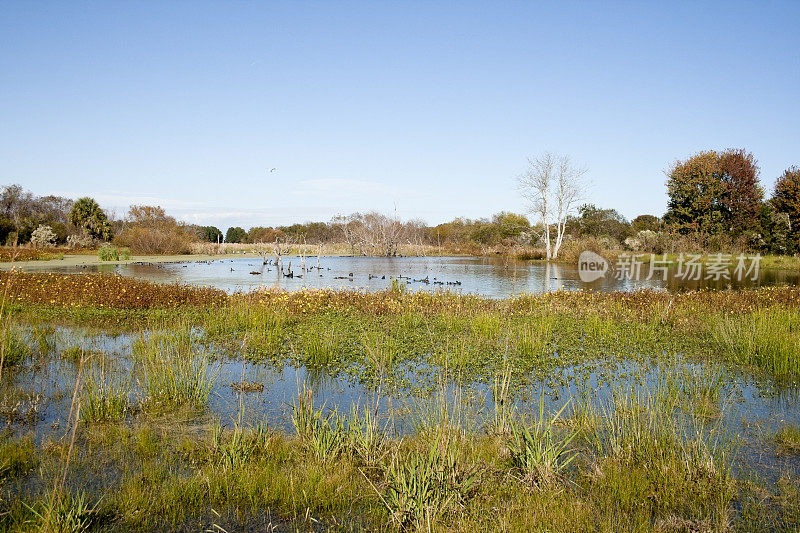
x: 646, y: 223
x: 310, y: 232
x: 149, y: 230
x: 715, y: 202
x: 87, y: 215
x: 261, y: 234
x: 21, y: 213
x: 786, y: 200
x: 504, y: 227
x: 714, y: 193
x: 210, y: 234
x: 511, y: 225
x: 236, y: 235
x: 598, y: 222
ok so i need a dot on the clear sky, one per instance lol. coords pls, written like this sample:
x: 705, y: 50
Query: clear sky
x: 427, y: 107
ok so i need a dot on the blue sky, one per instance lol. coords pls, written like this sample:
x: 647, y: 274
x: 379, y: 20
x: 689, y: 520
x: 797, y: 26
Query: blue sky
x: 429, y: 108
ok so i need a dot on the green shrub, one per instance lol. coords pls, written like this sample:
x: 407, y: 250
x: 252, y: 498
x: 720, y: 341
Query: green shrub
x: 108, y: 253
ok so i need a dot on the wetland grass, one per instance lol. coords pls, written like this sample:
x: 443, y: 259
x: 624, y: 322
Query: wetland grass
x: 175, y: 369
x: 105, y: 396
x: 651, y: 457
x: 541, y: 453
x: 788, y: 439
x: 767, y: 339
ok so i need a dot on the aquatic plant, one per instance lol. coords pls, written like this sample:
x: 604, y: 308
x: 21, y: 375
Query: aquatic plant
x: 105, y: 291
x: 108, y: 253
x: 788, y: 439
x: 365, y: 439
x: 768, y: 339
x: 539, y: 453
x: 175, y: 370
x: 66, y: 513
x: 233, y: 449
x: 324, y: 435
x: 105, y: 397
x: 17, y: 457
x: 421, y: 487
x: 15, y: 345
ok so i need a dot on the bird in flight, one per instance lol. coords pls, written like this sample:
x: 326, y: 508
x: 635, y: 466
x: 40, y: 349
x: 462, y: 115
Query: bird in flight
x: 273, y: 169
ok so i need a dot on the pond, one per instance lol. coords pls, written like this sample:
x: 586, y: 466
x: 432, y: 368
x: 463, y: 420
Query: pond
x: 492, y: 277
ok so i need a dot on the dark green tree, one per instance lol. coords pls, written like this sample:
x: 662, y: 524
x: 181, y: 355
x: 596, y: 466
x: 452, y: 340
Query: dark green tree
x: 646, y: 223
x: 87, y: 215
x: 211, y: 234
x: 774, y: 237
x: 786, y: 199
x: 236, y: 234
x: 599, y: 222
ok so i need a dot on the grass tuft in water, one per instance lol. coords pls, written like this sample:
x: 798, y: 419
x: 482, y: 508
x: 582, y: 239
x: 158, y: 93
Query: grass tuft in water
x: 64, y: 514
x: 15, y: 346
x: 176, y: 371
x: 788, y: 439
x: 105, y: 397
x: 768, y: 339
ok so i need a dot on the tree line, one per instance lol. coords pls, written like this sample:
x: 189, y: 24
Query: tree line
x: 716, y: 202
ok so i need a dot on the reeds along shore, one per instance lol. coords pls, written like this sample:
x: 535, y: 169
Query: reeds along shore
x: 140, y: 448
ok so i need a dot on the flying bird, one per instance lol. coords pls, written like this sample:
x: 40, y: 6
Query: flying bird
x: 273, y: 169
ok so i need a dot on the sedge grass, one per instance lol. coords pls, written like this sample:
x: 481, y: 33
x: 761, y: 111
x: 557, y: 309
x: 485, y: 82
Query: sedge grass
x: 175, y: 370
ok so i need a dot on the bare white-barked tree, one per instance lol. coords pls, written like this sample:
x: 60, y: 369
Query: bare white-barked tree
x: 552, y: 185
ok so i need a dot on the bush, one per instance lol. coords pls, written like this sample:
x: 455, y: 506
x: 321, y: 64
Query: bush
x: 151, y: 231
x: 43, y: 236
x: 80, y: 241
x: 108, y: 253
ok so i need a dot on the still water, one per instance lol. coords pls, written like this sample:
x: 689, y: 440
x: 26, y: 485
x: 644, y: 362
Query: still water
x: 493, y: 277
x: 749, y: 410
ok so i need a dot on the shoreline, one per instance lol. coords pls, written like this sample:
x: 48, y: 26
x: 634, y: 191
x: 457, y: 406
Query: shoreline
x: 774, y: 263
x: 80, y: 260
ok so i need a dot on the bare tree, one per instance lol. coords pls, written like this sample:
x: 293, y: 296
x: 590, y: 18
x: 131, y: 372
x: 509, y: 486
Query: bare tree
x: 553, y: 186
x: 373, y: 233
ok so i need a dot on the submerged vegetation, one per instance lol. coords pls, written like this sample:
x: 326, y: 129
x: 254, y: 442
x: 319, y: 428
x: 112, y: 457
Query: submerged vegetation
x: 563, y: 411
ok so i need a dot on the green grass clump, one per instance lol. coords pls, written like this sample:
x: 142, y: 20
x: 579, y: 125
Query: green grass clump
x: 14, y: 345
x: 421, y: 487
x: 539, y: 453
x: 257, y: 329
x: 17, y: 457
x: 104, y: 397
x: 324, y: 435
x: 108, y: 253
x: 768, y: 339
x: 788, y: 439
x: 651, y: 464
x: 176, y: 371
x: 64, y: 514
x: 234, y: 449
